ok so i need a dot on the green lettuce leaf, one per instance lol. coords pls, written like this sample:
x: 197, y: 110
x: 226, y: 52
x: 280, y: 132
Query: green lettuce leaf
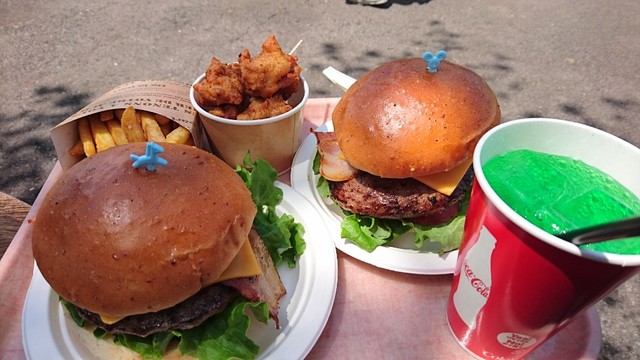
x: 73, y: 311
x: 323, y: 185
x: 259, y: 178
x: 225, y: 336
x: 282, y: 235
x: 368, y: 232
x: 150, y: 347
x: 439, y: 239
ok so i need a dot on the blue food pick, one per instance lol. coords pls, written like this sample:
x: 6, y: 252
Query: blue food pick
x: 434, y: 60
x: 150, y: 158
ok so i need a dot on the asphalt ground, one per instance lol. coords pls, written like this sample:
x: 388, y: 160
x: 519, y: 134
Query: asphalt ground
x: 578, y: 61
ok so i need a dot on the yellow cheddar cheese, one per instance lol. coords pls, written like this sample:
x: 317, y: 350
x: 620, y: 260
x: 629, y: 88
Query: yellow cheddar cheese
x: 243, y: 265
x: 447, y: 181
x: 109, y: 320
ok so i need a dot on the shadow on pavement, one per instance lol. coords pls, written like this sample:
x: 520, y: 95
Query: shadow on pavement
x: 29, y: 141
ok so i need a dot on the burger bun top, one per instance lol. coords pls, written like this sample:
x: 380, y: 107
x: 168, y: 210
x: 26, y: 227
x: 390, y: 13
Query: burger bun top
x: 399, y: 120
x: 118, y: 240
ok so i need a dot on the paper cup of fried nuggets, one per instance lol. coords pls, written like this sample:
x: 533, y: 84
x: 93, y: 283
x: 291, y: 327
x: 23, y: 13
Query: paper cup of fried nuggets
x: 141, y: 111
x: 253, y: 106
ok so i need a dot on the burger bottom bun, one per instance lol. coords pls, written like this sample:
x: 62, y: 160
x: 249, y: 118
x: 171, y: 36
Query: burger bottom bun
x: 118, y: 241
x: 399, y: 120
x: 106, y: 349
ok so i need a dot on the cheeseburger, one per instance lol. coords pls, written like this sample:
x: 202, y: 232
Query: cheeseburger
x: 139, y: 253
x: 400, y: 154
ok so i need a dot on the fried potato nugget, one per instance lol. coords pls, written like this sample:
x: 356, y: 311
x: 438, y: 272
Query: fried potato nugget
x: 245, y: 87
x: 270, y: 72
x: 264, y: 108
x: 226, y: 111
x: 221, y: 85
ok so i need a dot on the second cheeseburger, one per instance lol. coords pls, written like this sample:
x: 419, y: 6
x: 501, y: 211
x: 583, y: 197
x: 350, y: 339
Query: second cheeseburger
x: 139, y: 252
x: 400, y: 154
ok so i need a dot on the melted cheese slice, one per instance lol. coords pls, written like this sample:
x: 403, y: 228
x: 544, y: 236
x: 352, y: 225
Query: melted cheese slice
x: 244, y: 264
x: 109, y: 320
x: 447, y: 181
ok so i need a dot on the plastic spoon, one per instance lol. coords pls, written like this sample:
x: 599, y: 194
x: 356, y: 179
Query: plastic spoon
x: 343, y: 80
x: 604, y: 232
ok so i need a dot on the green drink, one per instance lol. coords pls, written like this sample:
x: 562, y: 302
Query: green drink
x: 560, y: 194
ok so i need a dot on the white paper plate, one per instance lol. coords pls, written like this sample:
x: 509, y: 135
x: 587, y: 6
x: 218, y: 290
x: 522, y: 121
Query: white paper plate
x: 49, y: 333
x: 400, y: 255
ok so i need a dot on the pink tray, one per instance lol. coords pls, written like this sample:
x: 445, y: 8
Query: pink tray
x: 377, y: 314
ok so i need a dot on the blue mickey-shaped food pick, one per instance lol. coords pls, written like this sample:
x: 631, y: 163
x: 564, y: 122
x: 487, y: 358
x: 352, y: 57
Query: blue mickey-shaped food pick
x: 434, y: 60
x: 150, y: 158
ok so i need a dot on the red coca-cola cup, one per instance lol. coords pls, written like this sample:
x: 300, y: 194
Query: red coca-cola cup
x: 515, y: 285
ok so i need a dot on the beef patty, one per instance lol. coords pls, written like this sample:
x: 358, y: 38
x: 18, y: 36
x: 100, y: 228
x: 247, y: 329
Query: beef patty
x: 378, y: 197
x: 190, y: 313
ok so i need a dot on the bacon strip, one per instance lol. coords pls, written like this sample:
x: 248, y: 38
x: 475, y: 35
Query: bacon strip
x: 265, y: 287
x: 333, y: 165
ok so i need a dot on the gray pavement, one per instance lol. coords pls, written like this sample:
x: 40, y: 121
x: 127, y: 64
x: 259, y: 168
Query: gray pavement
x: 552, y: 58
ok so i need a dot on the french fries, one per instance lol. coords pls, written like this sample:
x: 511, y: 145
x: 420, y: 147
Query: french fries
x: 110, y: 128
x: 101, y: 135
x: 117, y: 132
x: 118, y: 114
x: 84, y: 129
x: 77, y: 150
x: 179, y: 135
x: 107, y: 115
x: 131, y: 125
x: 166, y: 129
x: 161, y: 119
x: 151, y: 128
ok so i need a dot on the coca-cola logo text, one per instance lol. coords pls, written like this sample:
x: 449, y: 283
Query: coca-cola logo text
x: 476, y: 282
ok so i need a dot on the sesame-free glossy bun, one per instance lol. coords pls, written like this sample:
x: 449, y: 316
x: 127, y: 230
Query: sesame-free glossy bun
x: 399, y: 120
x: 118, y: 241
